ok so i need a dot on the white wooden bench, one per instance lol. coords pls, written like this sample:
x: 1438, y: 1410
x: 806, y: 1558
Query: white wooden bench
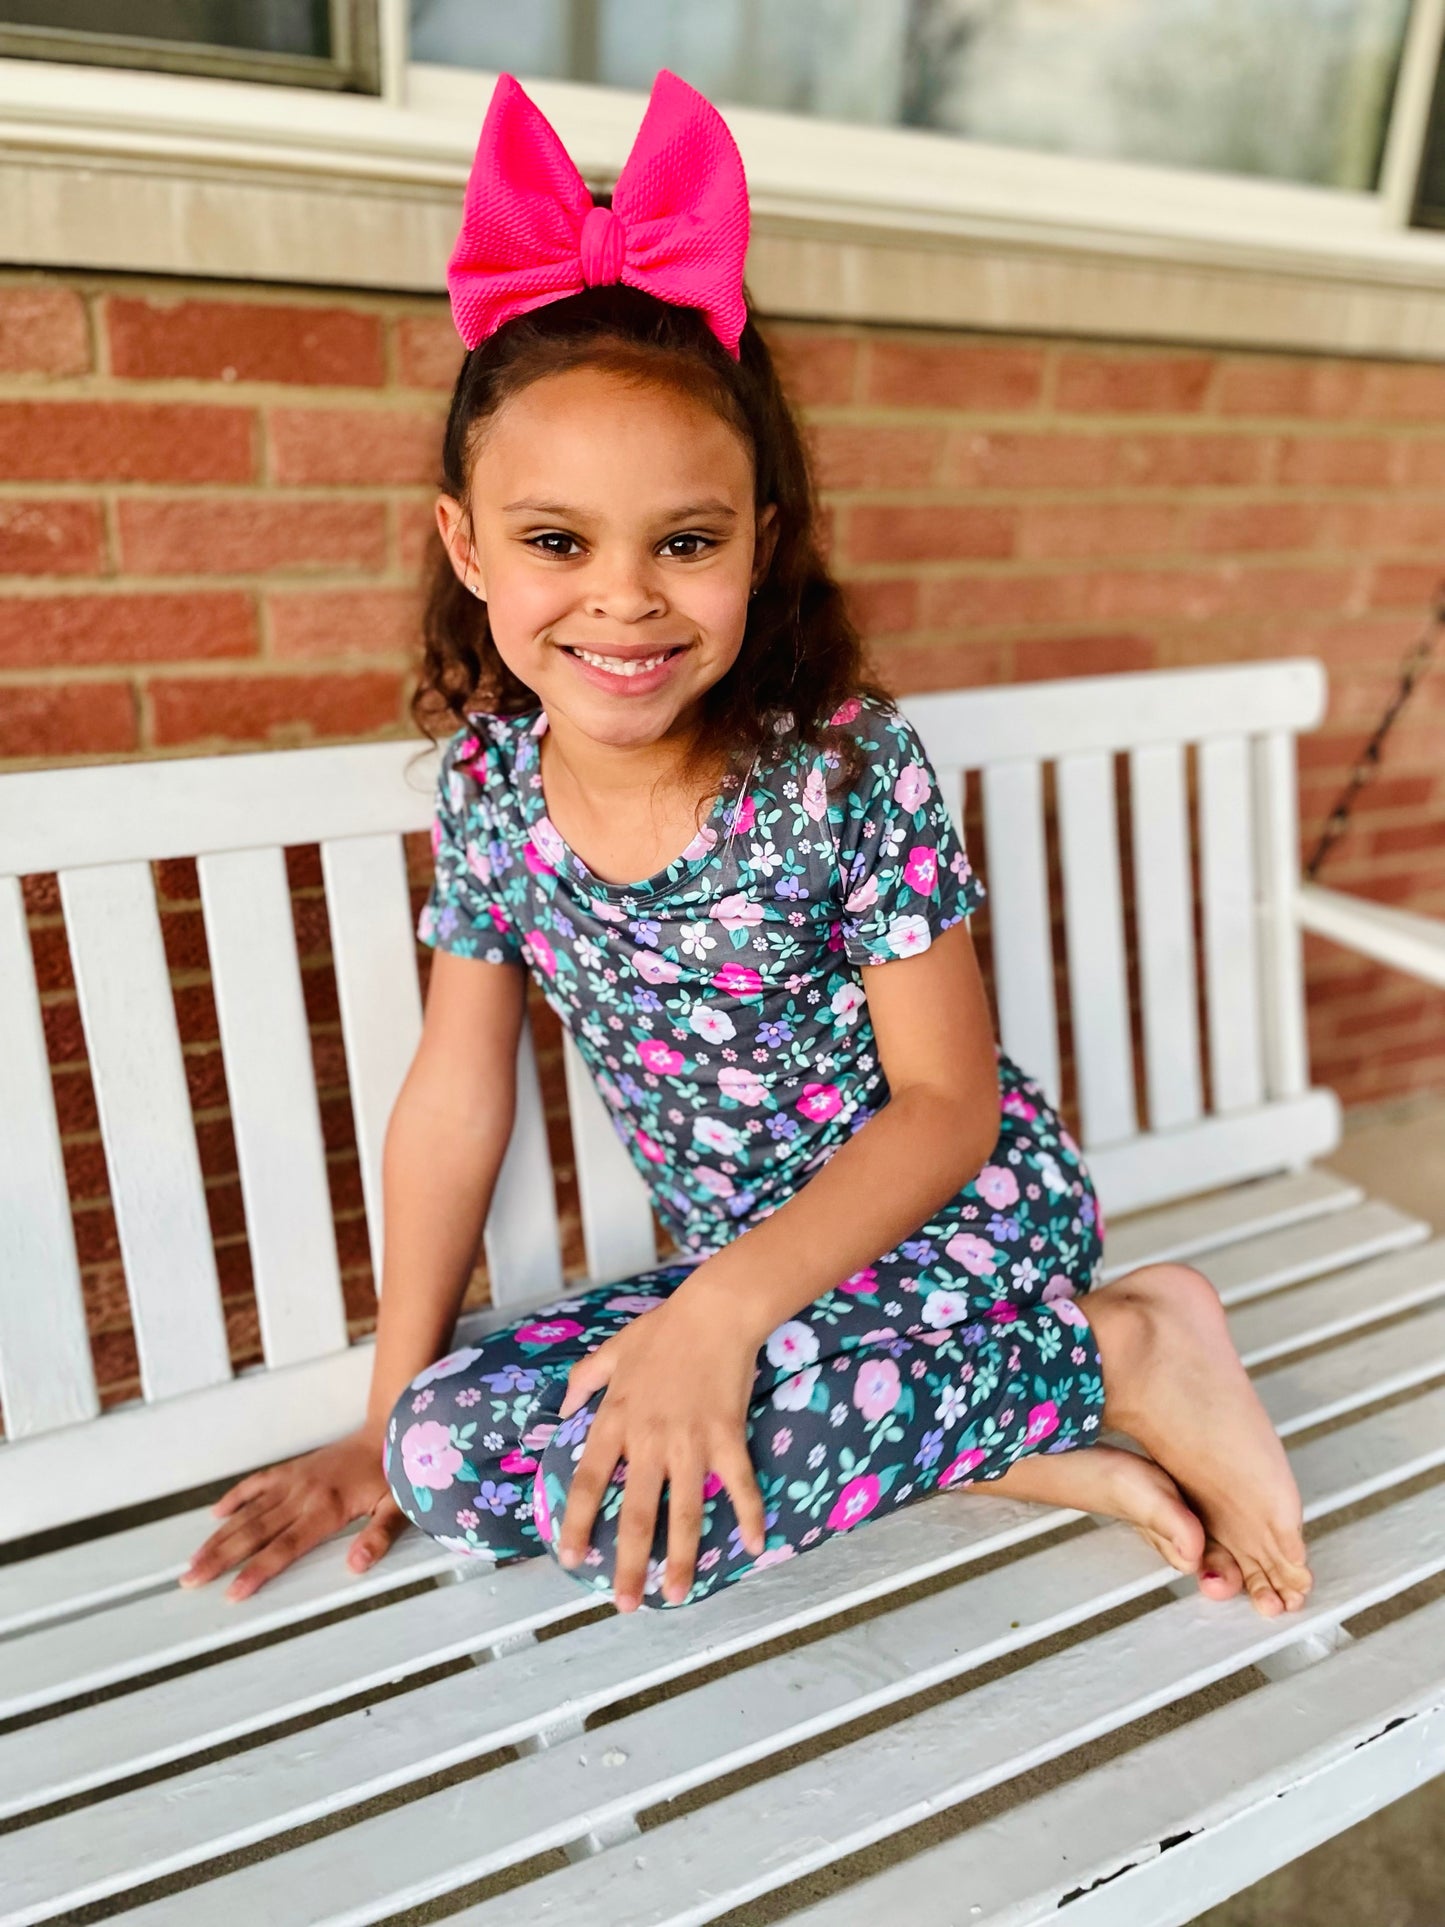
x: 153, y: 1731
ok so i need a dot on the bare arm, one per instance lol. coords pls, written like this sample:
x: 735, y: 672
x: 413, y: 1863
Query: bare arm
x: 445, y: 1141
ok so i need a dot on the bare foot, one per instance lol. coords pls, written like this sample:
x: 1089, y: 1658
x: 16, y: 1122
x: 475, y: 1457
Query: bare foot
x: 1174, y: 1382
x: 1118, y: 1483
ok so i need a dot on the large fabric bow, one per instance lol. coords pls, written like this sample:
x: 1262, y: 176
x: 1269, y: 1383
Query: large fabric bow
x: 531, y: 233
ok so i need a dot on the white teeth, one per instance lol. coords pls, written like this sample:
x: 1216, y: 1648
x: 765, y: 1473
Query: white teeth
x: 617, y: 667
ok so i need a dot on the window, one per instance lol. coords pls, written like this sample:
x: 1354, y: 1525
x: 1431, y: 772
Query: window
x: 1430, y: 200
x: 1289, y: 90
x: 300, y: 43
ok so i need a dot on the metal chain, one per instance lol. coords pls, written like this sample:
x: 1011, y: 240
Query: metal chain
x: 1417, y: 661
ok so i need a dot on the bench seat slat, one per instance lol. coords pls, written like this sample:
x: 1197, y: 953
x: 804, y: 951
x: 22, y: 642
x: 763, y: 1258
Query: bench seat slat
x: 47, y: 1378
x: 1019, y: 925
x: 360, y: 1754
x: 1080, y: 1851
x: 1203, y: 1224
x: 150, y: 1139
x: 274, y: 1110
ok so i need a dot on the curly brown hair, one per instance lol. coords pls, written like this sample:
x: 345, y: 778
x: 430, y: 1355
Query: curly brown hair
x: 801, y: 654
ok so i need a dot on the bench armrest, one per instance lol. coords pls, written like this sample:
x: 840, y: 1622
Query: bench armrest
x: 1402, y: 938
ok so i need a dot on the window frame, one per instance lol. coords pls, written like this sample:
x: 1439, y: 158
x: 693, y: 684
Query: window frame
x: 842, y: 181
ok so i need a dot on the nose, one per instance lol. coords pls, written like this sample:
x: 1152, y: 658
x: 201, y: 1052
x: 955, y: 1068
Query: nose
x: 624, y: 588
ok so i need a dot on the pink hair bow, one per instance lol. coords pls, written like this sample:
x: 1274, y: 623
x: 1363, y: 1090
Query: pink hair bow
x: 531, y: 233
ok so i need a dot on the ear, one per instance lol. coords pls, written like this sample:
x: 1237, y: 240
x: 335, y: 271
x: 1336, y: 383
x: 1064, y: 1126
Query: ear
x: 452, y: 524
x: 765, y: 540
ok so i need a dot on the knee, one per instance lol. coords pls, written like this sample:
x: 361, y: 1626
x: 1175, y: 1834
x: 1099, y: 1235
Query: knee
x: 551, y: 1485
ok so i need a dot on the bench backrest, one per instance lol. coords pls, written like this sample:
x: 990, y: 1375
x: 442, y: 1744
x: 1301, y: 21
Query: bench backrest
x: 100, y: 827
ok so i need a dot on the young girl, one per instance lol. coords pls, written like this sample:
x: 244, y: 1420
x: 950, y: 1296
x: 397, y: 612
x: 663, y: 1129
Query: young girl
x: 722, y: 853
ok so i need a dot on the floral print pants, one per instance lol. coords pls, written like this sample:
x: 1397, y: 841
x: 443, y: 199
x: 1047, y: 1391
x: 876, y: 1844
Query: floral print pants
x: 939, y: 1364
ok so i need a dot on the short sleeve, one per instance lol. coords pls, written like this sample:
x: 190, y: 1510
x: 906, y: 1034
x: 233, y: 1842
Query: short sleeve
x: 466, y: 911
x: 904, y: 873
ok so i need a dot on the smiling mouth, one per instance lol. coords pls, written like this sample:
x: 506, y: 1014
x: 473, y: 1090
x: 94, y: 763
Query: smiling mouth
x: 620, y: 665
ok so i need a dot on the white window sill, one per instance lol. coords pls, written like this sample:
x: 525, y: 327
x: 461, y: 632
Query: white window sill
x: 162, y: 174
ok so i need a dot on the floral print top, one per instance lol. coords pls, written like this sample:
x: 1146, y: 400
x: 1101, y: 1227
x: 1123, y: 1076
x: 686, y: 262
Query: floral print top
x: 718, y: 1004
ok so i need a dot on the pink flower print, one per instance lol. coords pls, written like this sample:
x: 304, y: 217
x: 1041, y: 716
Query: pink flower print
x: 738, y: 912
x: 997, y: 1186
x: 539, y: 951
x: 478, y: 862
x: 428, y: 1455
x: 820, y: 1101
x: 792, y: 1344
x: 1058, y: 1287
x: 942, y: 1308
x: 541, y: 1511
x: 701, y: 843
x: 782, y: 1439
x: 544, y: 849
x: 909, y: 935
x: 921, y: 870
x: 863, y: 898
x: 846, y: 1000
x: 845, y: 712
x: 793, y: 1394
x: 1017, y: 1106
x: 445, y: 1367
x: 707, y: 1560
x: 649, y: 1147
x: 875, y: 1389
x: 1066, y: 1310
x: 717, y: 1182
x: 741, y: 1085
x: 913, y: 788
x: 1043, y: 1419
x: 815, y: 796
x: 1002, y: 1312
x: 436, y: 834
x: 738, y: 980
x: 977, y: 1256
x: 422, y: 1400
x: 633, y: 1302
x: 711, y: 1486
x: 772, y: 1556
x: 717, y: 1136
x: 965, y: 1462
x: 746, y: 816
x: 466, y: 1518
x: 660, y: 1057
x: 714, y: 1025
x: 654, y: 969
x: 857, y: 1499
x: 548, y: 1331
x: 861, y: 1281
x: 517, y: 1461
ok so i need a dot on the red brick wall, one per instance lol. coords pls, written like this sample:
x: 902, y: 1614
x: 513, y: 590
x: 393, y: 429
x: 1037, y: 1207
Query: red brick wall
x: 215, y: 503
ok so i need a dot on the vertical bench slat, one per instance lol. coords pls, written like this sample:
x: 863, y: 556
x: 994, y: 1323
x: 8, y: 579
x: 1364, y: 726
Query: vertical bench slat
x: 373, y: 946
x: 1018, y: 902
x: 1226, y: 864
x: 1286, y: 1046
x: 139, y: 1076
x: 617, y: 1222
x: 47, y: 1378
x: 1160, y: 818
x: 522, y: 1236
x: 274, y: 1110
x: 1094, y: 924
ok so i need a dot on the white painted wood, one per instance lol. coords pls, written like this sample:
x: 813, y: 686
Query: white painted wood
x: 1401, y: 938
x: 1231, y: 969
x: 46, y: 1375
x: 301, y: 1777
x: 373, y: 947
x: 617, y: 1225
x: 1081, y: 715
x: 1018, y: 896
x: 1343, y: 1301
x: 522, y: 1236
x: 1182, y: 1230
x: 1094, y: 927
x: 1237, y: 1792
x: 1270, y: 1260
x: 775, y: 1704
x: 1165, y: 925
x: 55, y: 819
x: 751, y: 1842
x: 1161, y: 1165
x: 1276, y: 855
x: 145, y: 1119
x: 275, y: 1116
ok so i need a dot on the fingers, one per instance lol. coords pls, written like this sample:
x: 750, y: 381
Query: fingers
x: 240, y: 1493
x: 386, y: 1522
x: 233, y: 1542
x: 735, y: 1469
x: 684, y: 1529
x: 636, y: 1529
x: 278, y: 1553
x: 589, y: 1482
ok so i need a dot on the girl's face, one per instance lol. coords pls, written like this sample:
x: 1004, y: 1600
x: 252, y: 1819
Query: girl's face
x: 618, y: 519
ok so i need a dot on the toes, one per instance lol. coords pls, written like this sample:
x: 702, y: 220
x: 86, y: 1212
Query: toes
x: 1220, y: 1576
